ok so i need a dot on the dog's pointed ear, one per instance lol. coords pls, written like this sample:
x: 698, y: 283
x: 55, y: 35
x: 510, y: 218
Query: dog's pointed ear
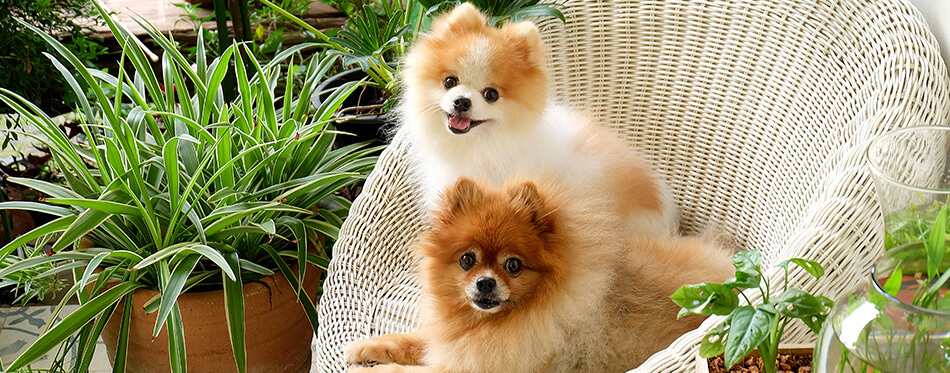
x: 463, y: 18
x: 526, y: 197
x: 527, y: 41
x: 461, y: 196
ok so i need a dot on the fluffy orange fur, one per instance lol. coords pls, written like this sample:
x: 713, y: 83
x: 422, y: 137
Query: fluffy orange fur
x: 586, y: 298
x: 515, y: 61
x: 524, y: 130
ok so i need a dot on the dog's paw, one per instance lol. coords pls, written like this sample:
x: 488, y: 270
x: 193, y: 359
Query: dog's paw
x: 369, y: 352
x: 406, y: 349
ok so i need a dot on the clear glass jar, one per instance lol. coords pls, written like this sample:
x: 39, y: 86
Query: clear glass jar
x: 877, y: 325
x: 870, y: 328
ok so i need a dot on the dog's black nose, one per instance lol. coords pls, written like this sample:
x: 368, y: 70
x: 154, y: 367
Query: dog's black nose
x: 462, y: 104
x: 485, y: 284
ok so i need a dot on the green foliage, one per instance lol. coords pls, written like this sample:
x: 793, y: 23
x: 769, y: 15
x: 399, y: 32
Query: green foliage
x: 178, y: 190
x: 379, y: 32
x: 26, y: 70
x: 912, y: 225
x: 751, y: 327
x: 499, y: 12
x: 928, y: 228
x: 268, y: 37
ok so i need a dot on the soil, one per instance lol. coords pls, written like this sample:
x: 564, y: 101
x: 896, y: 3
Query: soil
x: 787, y: 363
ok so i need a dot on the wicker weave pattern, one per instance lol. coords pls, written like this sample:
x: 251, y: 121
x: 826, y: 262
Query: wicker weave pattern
x: 756, y: 111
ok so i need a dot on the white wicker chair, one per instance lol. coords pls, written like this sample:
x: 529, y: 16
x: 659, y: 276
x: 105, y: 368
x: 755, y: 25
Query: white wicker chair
x: 756, y: 111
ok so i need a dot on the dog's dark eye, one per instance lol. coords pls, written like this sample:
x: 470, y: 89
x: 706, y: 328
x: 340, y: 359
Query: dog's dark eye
x: 467, y: 261
x: 450, y: 82
x: 513, y: 266
x: 491, y: 95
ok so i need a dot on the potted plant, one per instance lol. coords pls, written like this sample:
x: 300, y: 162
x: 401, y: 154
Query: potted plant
x: 752, y: 328
x: 376, y: 37
x: 179, y: 192
x: 898, y: 319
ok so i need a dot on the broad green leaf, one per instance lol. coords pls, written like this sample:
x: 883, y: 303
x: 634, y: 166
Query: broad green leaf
x: 204, y: 250
x: 304, y: 298
x: 91, y: 267
x: 234, y: 308
x: 39, y: 261
x: 84, y: 223
x: 233, y: 217
x: 267, y: 226
x: 706, y: 299
x: 88, y: 337
x: 937, y: 243
x: 748, y: 270
x: 176, y: 342
x: 107, y: 207
x: 172, y: 171
x: 53, y: 190
x: 197, y: 278
x: 172, y: 289
x: 812, y: 267
x: 35, y: 206
x: 795, y: 303
x: 330, y: 230
x: 714, y: 342
x: 45, y: 229
x: 893, y: 284
x: 749, y: 327
x: 122, y: 347
x: 214, y: 83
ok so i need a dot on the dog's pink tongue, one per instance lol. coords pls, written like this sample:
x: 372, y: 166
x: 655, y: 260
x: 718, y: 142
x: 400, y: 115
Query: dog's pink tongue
x: 459, y: 123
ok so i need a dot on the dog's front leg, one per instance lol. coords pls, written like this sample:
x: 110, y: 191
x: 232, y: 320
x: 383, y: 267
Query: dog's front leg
x: 405, y: 349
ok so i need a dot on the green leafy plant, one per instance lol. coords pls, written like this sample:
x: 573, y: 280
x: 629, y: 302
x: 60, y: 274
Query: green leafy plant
x: 379, y: 32
x: 25, y: 70
x: 500, y: 12
x: 265, y: 24
x: 177, y: 190
x: 750, y: 327
x: 911, y: 338
x: 371, y: 42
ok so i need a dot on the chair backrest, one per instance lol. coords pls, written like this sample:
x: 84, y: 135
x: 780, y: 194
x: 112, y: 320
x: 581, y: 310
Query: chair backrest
x: 756, y: 111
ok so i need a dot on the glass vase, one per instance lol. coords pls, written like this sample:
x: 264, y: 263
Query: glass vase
x: 877, y: 326
x: 911, y: 176
x: 870, y: 328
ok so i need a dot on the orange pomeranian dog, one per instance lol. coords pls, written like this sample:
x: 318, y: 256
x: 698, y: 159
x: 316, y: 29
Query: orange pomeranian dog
x: 524, y: 279
x: 476, y: 104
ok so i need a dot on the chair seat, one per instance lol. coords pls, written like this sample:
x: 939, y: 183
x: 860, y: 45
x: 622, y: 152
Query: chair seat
x: 757, y: 112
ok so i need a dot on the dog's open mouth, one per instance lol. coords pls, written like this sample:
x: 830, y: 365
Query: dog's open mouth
x: 486, y: 303
x: 459, y: 124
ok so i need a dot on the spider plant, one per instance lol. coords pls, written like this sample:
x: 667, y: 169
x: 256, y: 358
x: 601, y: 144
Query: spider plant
x: 177, y: 190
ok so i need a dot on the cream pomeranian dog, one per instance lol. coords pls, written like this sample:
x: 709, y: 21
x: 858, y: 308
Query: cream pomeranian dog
x: 476, y: 104
x: 522, y: 278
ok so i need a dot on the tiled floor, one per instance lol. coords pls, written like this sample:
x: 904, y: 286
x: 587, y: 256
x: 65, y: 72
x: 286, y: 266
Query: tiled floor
x: 20, y: 326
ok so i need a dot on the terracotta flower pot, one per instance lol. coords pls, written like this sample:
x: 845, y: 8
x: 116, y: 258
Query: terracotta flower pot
x: 278, y: 333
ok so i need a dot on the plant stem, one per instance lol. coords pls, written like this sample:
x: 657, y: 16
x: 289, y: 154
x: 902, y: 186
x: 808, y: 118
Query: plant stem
x: 303, y: 24
x: 7, y: 225
x: 220, y: 16
x: 245, y: 20
x: 768, y: 350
